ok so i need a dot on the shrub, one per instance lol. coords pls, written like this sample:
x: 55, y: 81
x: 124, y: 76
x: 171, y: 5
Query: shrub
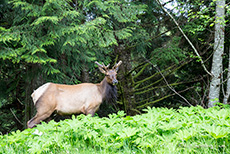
x: 159, y: 130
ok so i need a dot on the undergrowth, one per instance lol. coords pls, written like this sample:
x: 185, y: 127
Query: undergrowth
x: 159, y: 130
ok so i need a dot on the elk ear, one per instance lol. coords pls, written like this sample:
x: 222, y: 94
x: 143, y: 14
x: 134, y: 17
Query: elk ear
x: 115, y: 67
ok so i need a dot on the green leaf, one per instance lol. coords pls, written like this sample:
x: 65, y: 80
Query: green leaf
x: 41, y: 20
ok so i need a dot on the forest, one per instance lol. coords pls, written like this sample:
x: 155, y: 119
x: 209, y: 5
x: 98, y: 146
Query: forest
x: 174, y: 53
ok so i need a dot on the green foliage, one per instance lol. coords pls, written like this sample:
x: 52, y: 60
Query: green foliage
x: 172, y: 47
x: 160, y: 130
x: 56, y: 40
x: 201, y: 18
x: 43, y: 32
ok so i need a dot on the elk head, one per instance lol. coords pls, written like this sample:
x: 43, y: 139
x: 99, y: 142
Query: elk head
x: 110, y: 74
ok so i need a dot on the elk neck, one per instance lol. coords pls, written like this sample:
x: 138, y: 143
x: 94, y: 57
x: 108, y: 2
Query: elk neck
x: 108, y: 91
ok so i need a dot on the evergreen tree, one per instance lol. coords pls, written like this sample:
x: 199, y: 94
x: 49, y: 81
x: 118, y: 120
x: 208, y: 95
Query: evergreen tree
x: 53, y: 40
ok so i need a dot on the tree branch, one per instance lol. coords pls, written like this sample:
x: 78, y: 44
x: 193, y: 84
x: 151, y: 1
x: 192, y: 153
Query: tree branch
x: 169, y: 85
x: 202, y: 63
x: 172, y: 84
x: 150, y: 77
x: 169, y: 68
x: 16, y: 117
x: 141, y: 106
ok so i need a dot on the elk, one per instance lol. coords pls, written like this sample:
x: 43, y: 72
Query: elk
x: 74, y: 99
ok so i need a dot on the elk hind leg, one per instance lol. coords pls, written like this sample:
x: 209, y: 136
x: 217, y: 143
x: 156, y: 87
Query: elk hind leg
x: 37, y: 119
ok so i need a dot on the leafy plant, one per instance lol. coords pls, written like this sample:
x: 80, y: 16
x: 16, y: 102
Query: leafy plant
x: 186, y: 130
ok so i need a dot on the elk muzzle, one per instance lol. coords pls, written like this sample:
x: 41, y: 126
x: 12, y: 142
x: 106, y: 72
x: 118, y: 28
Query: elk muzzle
x: 114, y: 81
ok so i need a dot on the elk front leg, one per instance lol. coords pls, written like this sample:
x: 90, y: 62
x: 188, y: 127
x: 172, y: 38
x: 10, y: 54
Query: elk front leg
x: 91, y: 110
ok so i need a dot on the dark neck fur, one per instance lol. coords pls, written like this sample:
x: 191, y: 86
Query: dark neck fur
x: 109, y: 92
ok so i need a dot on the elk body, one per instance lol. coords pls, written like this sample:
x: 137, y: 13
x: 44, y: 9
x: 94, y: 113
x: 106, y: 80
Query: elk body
x: 73, y: 99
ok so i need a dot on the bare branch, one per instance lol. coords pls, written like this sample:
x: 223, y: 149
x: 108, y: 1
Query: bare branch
x: 202, y: 62
x: 168, y: 84
x: 155, y: 101
x: 16, y: 117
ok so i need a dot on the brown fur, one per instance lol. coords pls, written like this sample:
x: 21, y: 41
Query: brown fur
x: 74, y: 99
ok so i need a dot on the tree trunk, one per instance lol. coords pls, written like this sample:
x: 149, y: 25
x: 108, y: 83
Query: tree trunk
x: 85, y: 74
x: 34, y: 80
x: 214, y: 90
x: 126, y: 80
x: 226, y: 96
x: 28, y: 104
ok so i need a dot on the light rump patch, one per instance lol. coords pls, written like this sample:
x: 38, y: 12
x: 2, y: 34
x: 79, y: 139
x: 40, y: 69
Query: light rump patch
x: 38, y: 92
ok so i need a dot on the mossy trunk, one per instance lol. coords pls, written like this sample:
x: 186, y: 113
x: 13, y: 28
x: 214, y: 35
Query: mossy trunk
x: 28, y: 104
x: 126, y: 80
x: 85, y: 78
x: 34, y: 80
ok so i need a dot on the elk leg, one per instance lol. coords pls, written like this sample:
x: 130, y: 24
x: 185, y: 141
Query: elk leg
x: 37, y: 119
x: 29, y: 125
x: 91, y: 111
x: 48, y: 119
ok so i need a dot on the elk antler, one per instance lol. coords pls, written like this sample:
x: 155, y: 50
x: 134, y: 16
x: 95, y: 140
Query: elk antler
x: 116, y: 66
x: 102, y: 67
x: 99, y: 64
